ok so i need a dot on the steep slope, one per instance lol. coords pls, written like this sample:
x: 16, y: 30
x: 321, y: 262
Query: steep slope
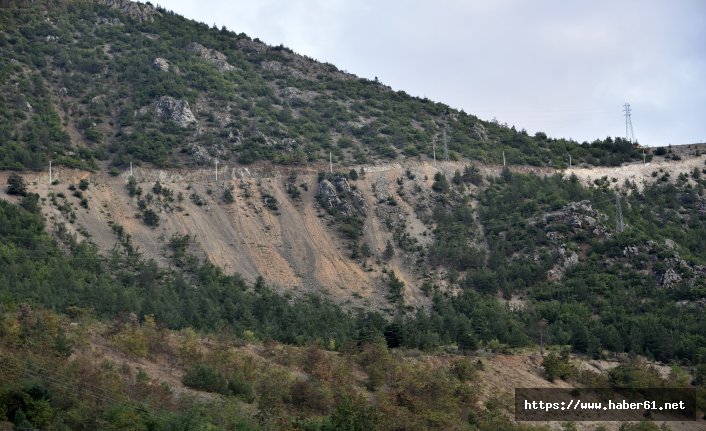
x: 270, y: 222
x: 293, y: 246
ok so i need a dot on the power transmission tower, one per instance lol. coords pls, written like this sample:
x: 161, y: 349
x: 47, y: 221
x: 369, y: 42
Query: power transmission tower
x: 628, y: 123
x: 619, y: 223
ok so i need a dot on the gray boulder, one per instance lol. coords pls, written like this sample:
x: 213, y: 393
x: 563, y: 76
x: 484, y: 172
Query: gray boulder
x: 214, y: 57
x: 327, y: 195
x: 176, y: 110
x: 138, y: 11
x: 161, y: 64
x: 337, y: 194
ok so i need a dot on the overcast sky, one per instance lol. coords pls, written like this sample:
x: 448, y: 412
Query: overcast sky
x: 562, y: 67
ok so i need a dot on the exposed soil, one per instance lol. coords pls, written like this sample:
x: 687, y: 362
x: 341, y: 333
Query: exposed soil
x: 292, y: 247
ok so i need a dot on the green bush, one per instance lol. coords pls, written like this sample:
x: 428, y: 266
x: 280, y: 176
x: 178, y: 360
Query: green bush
x: 558, y: 366
x: 150, y: 218
x: 206, y: 378
x: 228, y: 195
x: 16, y: 185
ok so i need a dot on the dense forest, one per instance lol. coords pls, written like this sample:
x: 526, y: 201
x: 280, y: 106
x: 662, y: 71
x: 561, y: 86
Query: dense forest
x: 614, y: 297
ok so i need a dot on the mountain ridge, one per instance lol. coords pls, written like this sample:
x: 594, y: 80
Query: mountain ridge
x: 250, y: 101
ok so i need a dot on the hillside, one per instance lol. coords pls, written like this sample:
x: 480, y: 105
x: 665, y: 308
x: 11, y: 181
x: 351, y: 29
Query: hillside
x: 116, y: 81
x: 75, y: 372
x: 398, y: 238
x: 327, y: 273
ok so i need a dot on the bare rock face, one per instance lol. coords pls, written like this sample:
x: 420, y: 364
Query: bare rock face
x: 328, y: 196
x: 480, y: 133
x: 176, y: 110
x: 276, y: 66
x: 670, y: 278
x: 576, y: 216
x: 342, y: 185
x: 138, y: 11
x: 111, y: 22
x: 566, y: 259
x: 248, y: 44
x: 216, y: 58
x: 161, y: 64
x: 337, y: 195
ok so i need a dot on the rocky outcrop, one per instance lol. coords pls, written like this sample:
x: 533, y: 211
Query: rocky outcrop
x: 111, y: 22
x: 479, y: 132
x: 336, y: 194
x: 138, y: 11
x: 161, y: 64
x: 577, y: 216
x: 247, y: 44
x: 327, y: 195
x: 176, y: 110
x: 563, y: 225
x: 565, y: 260
x: 276, y: 66
x: 214, y: 57
x: 669, y: 278
x: 294, y: 95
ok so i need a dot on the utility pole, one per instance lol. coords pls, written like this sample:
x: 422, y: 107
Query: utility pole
x: 503, y: 158
x: 644, y: 157
x: 619, y: 223
x: 130, y: 169
x: 330, y: 162
x: 216, y: 170
x: 542, y: 329
x: 50, y: 181
x: 628, y: 123
x: 569, y: 161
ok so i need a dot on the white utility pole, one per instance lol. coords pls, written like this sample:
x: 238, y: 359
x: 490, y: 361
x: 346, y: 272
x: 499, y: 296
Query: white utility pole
x: 130, y: 169
x: 50, y: 172
x: 216, y: 170
x: 330, y: 162
x: 503, y: 158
